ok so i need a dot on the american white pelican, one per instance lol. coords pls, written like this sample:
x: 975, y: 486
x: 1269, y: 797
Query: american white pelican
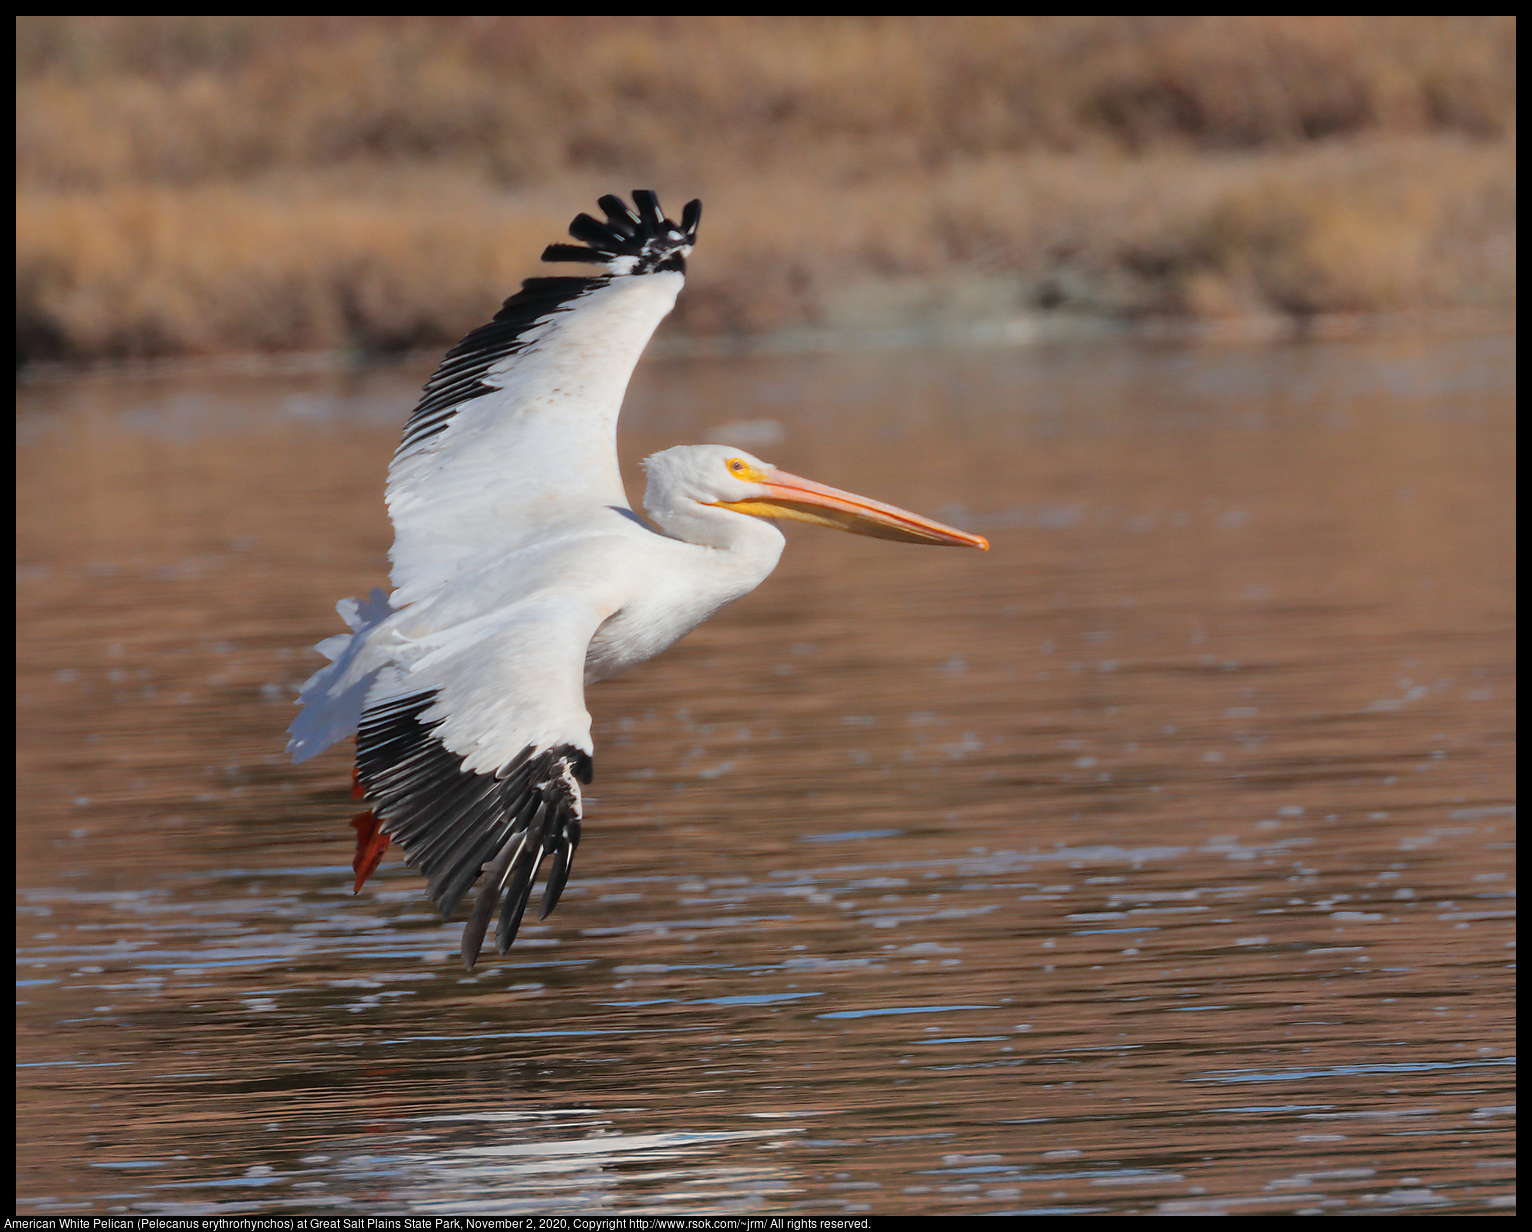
x: 521, y: 575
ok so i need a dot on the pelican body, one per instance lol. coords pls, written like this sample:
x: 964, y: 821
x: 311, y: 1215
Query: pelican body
x: 521, y: 575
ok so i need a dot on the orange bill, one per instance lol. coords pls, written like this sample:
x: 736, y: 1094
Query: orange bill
x: 803, y: 500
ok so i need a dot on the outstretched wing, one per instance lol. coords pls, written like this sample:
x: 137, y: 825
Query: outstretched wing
x: 471, y: 751
x: 465, y: 687
x: 516, y: 431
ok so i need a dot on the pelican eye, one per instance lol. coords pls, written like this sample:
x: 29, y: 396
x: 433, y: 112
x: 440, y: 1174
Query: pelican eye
x: 738, y: 466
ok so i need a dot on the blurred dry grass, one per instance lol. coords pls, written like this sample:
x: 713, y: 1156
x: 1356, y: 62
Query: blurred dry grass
x: 190, y: 185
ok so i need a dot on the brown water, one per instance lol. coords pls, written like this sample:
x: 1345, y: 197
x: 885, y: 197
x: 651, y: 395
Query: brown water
x: 1159, y: 860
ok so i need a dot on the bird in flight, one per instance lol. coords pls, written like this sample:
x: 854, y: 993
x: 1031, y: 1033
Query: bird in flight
x: 521, y: 575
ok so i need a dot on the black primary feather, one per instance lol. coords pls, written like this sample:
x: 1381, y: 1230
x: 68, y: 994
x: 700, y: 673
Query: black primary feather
x: 597, y: 234
x: 455, y: 824
x: 618, y: 215
x: 646, y: 237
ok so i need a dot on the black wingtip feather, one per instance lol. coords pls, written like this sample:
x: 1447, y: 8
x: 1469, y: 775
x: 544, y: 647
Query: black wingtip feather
x: 648, y: 203
x: 518, y: 884
x: 484, y: 907
x: 597, y: 234
x: 618, y: 216
x: 652, y: 241
x: 572, y: 252
x: 558, y: 874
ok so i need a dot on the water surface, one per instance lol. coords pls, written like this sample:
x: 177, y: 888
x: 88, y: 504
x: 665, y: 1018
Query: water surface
x: 1157, y: 861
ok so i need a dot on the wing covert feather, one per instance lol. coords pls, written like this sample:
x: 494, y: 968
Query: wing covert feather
x: 538, y: 442
x: 508, y: 681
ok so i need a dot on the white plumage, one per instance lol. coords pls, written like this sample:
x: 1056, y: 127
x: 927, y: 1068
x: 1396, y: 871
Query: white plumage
x: 520, y: 575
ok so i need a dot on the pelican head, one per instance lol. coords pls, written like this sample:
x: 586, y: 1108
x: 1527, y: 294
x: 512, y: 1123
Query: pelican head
x: 688, y: 482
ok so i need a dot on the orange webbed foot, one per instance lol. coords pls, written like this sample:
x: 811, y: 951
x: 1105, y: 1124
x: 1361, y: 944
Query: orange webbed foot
x: 371, y: 843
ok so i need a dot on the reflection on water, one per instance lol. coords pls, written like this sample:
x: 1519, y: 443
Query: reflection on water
x: 1157, y: 861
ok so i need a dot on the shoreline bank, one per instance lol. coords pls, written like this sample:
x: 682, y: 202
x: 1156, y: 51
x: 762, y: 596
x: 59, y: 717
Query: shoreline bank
x: 1024, y: 331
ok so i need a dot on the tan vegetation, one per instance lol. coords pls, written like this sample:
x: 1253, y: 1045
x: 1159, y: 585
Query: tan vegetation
x: 192, y: 185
